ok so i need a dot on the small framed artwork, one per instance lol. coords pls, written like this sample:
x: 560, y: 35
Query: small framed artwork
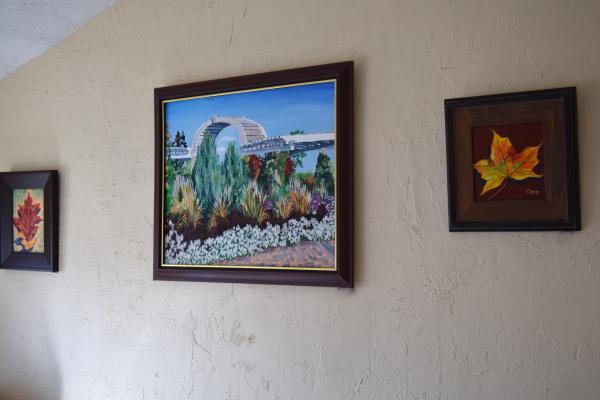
x: 513, y: 162
x: 254, y: 178
x: 29, y: 220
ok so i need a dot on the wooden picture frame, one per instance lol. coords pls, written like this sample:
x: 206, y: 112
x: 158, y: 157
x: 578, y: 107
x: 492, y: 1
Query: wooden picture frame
x: 29, y: 221
x: 182, y: 213
x: 513, y: 162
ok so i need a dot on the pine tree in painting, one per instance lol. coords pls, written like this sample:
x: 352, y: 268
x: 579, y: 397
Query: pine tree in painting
x: 233, y: 172
x: 207, y: 176
x: 323, y: 174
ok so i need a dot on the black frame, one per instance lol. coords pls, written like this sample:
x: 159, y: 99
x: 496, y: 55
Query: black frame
x: 572, y: 213
x: 48, y: 181
x: 343, y: 276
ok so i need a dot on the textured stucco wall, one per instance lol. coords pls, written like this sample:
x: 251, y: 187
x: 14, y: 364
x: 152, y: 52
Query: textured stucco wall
x: 434, y: 316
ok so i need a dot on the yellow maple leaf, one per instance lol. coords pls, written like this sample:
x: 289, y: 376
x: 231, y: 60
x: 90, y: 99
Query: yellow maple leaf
x: 505, y: 163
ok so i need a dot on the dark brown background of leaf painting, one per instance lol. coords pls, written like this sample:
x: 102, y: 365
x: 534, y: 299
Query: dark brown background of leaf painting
x: 521, y: 136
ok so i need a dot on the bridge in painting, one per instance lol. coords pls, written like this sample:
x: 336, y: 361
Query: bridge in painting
x: 252, y: 139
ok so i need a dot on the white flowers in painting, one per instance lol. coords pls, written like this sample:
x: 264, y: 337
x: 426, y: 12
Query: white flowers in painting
x: 244, y: 241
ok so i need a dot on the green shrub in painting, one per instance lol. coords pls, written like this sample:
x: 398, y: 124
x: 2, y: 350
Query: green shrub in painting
x: 275, y: 170
x: 207, y: 176
x: 307, y: 178
x: 323, y: 174
x: 297, y: 157
x: 268, y: 168
x: 170, y: 175
x: 234, y: 172
x: 186, y: 170
x: 285, y: 168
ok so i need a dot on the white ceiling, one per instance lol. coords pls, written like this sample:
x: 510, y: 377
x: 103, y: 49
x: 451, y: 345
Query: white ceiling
x: 30, y: 27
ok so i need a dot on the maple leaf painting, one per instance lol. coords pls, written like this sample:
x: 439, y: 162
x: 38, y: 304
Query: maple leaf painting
x: 26, y: 223
x: 506, y: 164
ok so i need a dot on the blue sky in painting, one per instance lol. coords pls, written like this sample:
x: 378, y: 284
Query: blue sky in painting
x: 280, y: 111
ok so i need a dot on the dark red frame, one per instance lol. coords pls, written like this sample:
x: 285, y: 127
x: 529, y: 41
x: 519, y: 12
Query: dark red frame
x: 47, y: 261
x: 344, y: 274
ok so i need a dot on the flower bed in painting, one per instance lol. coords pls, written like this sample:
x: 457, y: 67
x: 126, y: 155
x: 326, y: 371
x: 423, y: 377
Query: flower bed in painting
x: 246, y: 240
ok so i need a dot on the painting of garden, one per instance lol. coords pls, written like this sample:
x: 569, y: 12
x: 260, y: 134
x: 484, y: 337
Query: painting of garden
x: 249, y: 179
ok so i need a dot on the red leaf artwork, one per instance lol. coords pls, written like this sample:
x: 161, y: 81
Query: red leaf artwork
x: 27, y: 222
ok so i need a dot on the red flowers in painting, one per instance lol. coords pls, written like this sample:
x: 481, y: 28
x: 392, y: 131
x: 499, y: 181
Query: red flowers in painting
x: 289, y: 167
x: 254, y: 163
x: 27, y: 222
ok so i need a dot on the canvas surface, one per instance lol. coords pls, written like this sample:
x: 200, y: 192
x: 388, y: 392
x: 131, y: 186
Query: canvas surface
x: 249, y: 178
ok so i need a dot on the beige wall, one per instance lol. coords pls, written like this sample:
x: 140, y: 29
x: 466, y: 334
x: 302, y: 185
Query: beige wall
x: 434, y: 315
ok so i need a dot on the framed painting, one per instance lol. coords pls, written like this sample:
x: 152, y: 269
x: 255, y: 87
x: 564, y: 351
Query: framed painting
x: 254, y: 178
x: 513, y: 162
x: 29, y: 220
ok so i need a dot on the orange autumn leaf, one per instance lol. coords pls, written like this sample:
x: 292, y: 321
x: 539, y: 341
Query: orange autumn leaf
x: 505, y: 163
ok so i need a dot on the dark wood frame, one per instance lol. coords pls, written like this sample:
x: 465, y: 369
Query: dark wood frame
x: 343, y: 276
x: 48, y: 181
x: 555, y: 105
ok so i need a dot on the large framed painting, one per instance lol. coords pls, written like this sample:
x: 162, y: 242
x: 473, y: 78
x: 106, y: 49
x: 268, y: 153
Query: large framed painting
x: 512, y: 162
x: 254, y: 178
x: 29, y: 220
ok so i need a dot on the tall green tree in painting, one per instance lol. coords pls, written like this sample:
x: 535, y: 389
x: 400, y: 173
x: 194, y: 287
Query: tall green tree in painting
x: 268, y: 168
x: 298, y: 156
x: 207, y: 175
x: 323, y: 174
x: 284, y: 167
x: 234, y: 172
x: 169, y: 174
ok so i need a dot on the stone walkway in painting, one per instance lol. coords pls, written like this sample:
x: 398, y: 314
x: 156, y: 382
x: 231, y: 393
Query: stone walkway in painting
x: 304, y: 254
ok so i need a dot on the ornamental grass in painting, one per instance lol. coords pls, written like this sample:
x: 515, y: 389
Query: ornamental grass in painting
x: 28, y: 224
x: 249, y: 178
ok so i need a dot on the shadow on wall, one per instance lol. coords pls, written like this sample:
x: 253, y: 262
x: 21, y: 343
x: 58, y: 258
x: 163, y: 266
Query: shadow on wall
x: 28, y: 365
